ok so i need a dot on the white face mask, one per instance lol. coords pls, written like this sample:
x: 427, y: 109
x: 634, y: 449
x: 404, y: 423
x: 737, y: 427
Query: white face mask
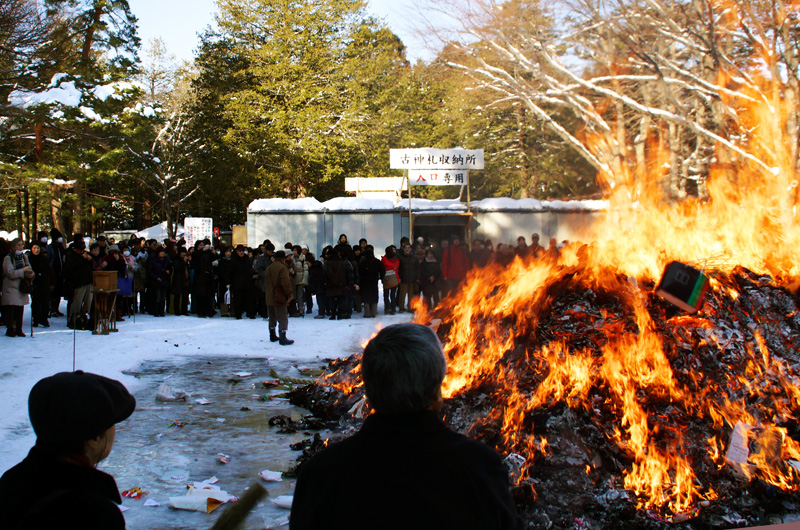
x: 60, y: 239
x: 19, y: 252
x: 126, y: 253
x: 43, y: 240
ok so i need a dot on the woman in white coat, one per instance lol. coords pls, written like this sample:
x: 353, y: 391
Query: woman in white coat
x: 15, y: 267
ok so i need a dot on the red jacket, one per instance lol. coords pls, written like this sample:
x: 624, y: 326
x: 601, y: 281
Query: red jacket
x: 392, y: 264
x: 455, y: 263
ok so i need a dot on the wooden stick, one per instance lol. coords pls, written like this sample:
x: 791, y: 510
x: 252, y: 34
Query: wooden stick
x: 235, y: 515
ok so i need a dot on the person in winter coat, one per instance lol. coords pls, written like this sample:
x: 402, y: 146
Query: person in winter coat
x: 430, y: 276
x: 58, y: 485
x: 225, y: 277
x: 409, y: 278
x: 179, y: 283
x: 242, y: 284
x: 113, y: 261
x: 158, y: 274
x: 343, y: 246
x: 455, y: 264
x: 336, y: 285
x: 15, y: 267
x: 278, y: 295
x: 390, y: 263
x: 316, y: 283
x: 299, y: 282
x: 370, y: 272
x: 40, y: 297
x: 202, y: 293
x: 56, y: 253
x: 78, y: 282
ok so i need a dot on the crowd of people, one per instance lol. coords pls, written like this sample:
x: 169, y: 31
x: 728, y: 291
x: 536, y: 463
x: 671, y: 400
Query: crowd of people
x: 206, y: 279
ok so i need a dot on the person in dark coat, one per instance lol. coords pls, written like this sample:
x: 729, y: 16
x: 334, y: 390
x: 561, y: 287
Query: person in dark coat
x: 159, y: 269
x: 430, y: 277
x: 429, y: 477
x: 56, y: 253
x: 242, y: 284
x: 74, y: 416
x: 336, y: 285
x: 316, y: 283
x: 78, y: 284
x: 224, y: 278
x: 40, y: 297
x: 179, y: 283
x: 409, y: 278
x: 278, y: 295
x: 370, y: 272
x: 202, y: 263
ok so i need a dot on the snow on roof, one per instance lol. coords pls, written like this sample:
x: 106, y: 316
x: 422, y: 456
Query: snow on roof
x: 306, y: 204
x: 349, y: 204
x: 446, y: 205
x: 498, y: 204
x: 422, y: 206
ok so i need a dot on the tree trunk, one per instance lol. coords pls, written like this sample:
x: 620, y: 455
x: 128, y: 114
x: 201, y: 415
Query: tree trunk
x: 525, y: 177
x: 19, y: 214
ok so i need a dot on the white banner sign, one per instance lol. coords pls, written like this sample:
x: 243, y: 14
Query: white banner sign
x: 427, y: 158
x: 197, y: 229
x: 428, y: 177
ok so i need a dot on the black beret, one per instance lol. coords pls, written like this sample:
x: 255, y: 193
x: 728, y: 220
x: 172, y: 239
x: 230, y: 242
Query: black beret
x: 77, y: 406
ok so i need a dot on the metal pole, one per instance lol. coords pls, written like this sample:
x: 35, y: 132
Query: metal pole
x: 410, y: 215
x: 469, y: 222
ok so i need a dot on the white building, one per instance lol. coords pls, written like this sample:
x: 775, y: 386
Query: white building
x: 383, y: 222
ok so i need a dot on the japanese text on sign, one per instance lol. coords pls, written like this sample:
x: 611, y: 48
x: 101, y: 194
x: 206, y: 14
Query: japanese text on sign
x: 197, y: 229
x: 427, y: 158
x: 438, y: 177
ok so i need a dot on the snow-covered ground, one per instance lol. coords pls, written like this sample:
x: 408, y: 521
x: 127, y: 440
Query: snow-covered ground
x: 23, y: 361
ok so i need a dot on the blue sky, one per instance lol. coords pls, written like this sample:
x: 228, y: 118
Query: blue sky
x: 179, y: 22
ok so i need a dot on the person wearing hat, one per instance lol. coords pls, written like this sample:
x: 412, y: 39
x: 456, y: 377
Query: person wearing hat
x: 78, y: 278
x: 115, y: 262
x: 58, y: 485
x: 56, y: 252
x: 278, y: 294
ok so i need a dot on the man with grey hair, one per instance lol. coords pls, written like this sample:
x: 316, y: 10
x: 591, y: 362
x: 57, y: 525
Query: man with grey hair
x: 404, y: 468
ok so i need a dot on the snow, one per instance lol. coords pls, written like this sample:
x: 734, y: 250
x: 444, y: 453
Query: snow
x: 65, y: 94
x: 50, y: 350
x: 357, y: 204
x: 350, y: 204
x: 506, y: 204
x: 159, y: 232
x: 307, y: 204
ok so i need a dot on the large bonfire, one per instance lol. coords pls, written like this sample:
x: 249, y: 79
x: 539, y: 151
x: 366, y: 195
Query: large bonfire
x: 611, y: 404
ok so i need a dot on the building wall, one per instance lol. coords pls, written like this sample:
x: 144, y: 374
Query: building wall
x: 383, y: 228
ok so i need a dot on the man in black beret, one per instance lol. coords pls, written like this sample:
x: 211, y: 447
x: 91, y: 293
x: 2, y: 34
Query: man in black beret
x: 74, y: 416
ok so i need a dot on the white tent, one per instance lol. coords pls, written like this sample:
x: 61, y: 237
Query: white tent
x: 159, y: 232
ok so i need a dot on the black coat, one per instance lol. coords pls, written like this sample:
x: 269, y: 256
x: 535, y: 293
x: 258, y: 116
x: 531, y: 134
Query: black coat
x: 77, y: 269
x: 41, y: 267
x: 409, y: 268
x: 404, y: 472
x: 335, y: 278
x: 159, y: 270
x: 430, y: 269
x: 42, y: 493
x: 241, y: 273
x: 202, y: 263
x: 370, y: 272
x: 316, y: 277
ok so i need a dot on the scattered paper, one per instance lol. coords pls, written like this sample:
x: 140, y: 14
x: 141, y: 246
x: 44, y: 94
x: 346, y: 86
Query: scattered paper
x: 134, y: 493
x: 284, y: 501
x: 271, y: 476
x: 167, y: 393
x: 151, y: 502
x: 179, y: 477
x: 212, y: 480
x: 277, y: 522
x: 202, y: 500
x: 221, y: 420
x: 222, y: 458
x: 203, y: 401
x: 243, y: 374
x: 122, y: 508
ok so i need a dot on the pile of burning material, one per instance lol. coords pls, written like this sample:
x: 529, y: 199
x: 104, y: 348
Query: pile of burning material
x: 614, y: 407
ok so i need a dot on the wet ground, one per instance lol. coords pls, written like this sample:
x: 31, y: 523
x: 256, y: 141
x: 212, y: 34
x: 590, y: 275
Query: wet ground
x: 164, y: 447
